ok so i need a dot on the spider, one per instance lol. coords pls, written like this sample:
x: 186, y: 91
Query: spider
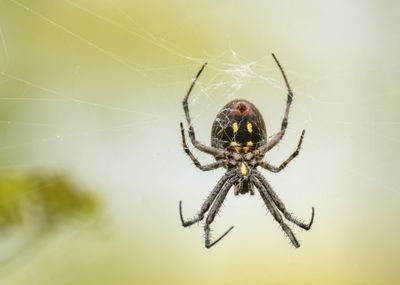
x: 239, y: 144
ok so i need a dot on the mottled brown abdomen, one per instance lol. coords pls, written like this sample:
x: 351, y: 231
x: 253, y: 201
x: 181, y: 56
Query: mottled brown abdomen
x: 239, y: 126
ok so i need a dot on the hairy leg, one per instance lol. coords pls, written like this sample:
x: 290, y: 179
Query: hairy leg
x: 202, y: 147
x: 207, y: 203
x: 275, y: 169
x: 278, y: 136
x: 206, y: 167
x: 275, y: 212
x: 281, y: 206
x: 214, y: 210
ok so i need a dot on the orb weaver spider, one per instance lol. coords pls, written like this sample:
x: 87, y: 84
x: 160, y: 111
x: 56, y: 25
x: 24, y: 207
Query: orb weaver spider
x: 239, y: 144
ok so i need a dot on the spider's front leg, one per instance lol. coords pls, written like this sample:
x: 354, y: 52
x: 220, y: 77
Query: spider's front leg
x: 278, y: 136
x: 202, y: 147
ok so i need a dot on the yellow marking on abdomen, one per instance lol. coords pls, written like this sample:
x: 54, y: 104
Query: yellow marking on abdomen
x: 243, y: 169
x: 249, y: 127
x: 235, y: 146
x: 235, y: 127
x: 247, y: 147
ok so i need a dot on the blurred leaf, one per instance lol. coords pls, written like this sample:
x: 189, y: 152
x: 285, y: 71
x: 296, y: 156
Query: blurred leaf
x: 42, y: 200
x: 33, y: 205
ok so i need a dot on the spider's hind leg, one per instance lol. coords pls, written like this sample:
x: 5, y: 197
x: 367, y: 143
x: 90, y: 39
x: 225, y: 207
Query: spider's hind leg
x: 213, y: 212
x: 207, y: 203
x: 281, y: 206
x: 275, y: 212
x: 187, y: 223
x: 208, y: 242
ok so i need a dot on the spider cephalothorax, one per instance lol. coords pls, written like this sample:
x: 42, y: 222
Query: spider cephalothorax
x: 239, y: 144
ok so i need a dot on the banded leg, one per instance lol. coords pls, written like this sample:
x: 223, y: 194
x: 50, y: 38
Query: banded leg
x: 275, y: 212
x: 278, y: 136
x: 281, y: 206
x: 206, y: 167
x: 207, y: 203
x: 214, y: 211
x: 207, y: 149
x: 275, y: 169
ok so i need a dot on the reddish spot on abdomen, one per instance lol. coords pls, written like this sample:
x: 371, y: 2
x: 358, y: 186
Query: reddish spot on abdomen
x: 241, y: 108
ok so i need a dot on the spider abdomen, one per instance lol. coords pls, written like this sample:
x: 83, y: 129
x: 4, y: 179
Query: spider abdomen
x: 239, y: 127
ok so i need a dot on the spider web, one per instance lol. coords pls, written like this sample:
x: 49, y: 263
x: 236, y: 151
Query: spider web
x: 96, y: 90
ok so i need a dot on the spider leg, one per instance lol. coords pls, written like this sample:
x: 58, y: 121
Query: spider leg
x: 214, y: 210
x: 206, y: 167
x: 207, y: 149
x: 278, y: 136
x: 207, y: 203
x: 208, y: 243
x: 275, y: 169
x: 275, y: 212
x: 281, y: 206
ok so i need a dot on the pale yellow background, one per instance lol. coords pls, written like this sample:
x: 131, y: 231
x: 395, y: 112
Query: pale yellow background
x: 94, y: 88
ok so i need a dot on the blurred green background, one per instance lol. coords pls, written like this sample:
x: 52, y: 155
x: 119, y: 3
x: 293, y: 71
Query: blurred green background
x: 92, y: 90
